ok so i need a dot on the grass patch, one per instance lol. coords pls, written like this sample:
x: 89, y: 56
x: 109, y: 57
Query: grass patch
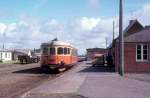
x: 10, y: 62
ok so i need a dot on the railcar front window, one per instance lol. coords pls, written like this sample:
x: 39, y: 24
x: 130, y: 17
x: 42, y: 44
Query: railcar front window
x: 60, y: 50
x: 52, y: 51
x: 45, y: 50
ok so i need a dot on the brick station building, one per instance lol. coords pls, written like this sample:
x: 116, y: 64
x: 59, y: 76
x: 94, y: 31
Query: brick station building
x: 136, y: 48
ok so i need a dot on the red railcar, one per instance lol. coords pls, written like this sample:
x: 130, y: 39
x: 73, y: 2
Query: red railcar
x: 58, y: 55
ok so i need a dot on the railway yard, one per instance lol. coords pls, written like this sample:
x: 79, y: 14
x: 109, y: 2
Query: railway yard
x: 81, y: 81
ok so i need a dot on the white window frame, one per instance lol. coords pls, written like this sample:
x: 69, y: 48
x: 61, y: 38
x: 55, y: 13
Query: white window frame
x: 142, y: 60
x: 1, y: 55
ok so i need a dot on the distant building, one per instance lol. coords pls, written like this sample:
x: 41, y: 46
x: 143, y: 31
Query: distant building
x: 136, y: 48
x: 12, y: 55
x: 9, y: 55
x: 30, y: 52
x: 93, y: 52
x: 37, y: 52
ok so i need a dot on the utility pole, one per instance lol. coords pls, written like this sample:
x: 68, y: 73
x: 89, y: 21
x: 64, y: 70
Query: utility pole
x: 4, y: 35
x: 121, y: 39
x: 106, y: 41
x: 113, y: 30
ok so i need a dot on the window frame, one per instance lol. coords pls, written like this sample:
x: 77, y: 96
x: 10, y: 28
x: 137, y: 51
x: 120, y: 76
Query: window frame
x: 142, y: 53
x: 5, y: 54
x: 51, y: 51
x: 62, y: 51
x: 68, y: 51
x: 65, y: 51
x: 1, y: 55
x: 43, y: 51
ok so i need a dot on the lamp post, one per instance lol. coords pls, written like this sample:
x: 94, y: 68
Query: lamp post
x: 121, y: 38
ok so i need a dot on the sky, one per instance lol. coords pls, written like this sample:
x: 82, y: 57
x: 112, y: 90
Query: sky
x: 83, y: 23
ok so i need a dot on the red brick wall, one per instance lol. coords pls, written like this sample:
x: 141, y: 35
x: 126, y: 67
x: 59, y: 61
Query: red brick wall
x: 130, y: 63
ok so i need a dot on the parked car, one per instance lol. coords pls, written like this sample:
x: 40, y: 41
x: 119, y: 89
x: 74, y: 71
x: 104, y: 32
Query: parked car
x: 99, y: 60
x: 25, y: 59
x: 81, y: 58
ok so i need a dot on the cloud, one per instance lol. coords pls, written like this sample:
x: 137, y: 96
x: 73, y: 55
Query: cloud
x: 84, y: 32
x: 144, y: 14
x: 2, y: 28
x: 89, y: 23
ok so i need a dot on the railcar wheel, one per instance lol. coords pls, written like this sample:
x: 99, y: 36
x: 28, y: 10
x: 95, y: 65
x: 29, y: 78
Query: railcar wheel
x: 93, y: 65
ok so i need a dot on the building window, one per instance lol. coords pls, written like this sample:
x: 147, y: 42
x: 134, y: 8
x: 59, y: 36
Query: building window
x: 142, y: 52
x: 5, y: 54
x: 8, y: 55
x: 1, y: 55
x: 60, y: 50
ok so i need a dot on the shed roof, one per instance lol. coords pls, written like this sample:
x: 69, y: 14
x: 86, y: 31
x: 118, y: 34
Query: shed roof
x: 96, y: 49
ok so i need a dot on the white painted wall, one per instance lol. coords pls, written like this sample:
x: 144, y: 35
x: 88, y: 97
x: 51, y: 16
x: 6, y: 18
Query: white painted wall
x: 6, y: 56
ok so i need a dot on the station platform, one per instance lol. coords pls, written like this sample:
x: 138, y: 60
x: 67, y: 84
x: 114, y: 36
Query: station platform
x: 83, y: 82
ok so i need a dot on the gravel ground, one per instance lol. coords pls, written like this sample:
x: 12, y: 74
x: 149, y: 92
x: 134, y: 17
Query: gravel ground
x: 11, y: 86
x: 18, y: 79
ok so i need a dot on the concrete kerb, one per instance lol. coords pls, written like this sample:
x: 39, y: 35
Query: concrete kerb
x: 56, y: 95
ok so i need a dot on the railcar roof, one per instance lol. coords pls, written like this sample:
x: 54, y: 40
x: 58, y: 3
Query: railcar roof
x: 57, y: 43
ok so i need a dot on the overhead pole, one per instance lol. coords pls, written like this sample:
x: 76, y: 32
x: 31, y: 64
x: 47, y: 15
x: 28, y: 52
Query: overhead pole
x: 121, y: 38
x: 106, y: 39
x: 113, y: 30
x: 4, y: 37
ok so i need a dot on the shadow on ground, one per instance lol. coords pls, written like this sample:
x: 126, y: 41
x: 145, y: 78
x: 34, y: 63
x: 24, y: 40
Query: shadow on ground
x: 36, y: 70
x: 98, y: 69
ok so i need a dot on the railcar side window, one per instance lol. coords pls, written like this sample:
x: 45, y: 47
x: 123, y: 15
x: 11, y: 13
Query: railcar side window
x: 60, y: 50
x: 65, y: 51
x: 52, y: 51
x: 68, y: 50
x: 45, y: 50
x: 76, y: 53
x: 72, y: 52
